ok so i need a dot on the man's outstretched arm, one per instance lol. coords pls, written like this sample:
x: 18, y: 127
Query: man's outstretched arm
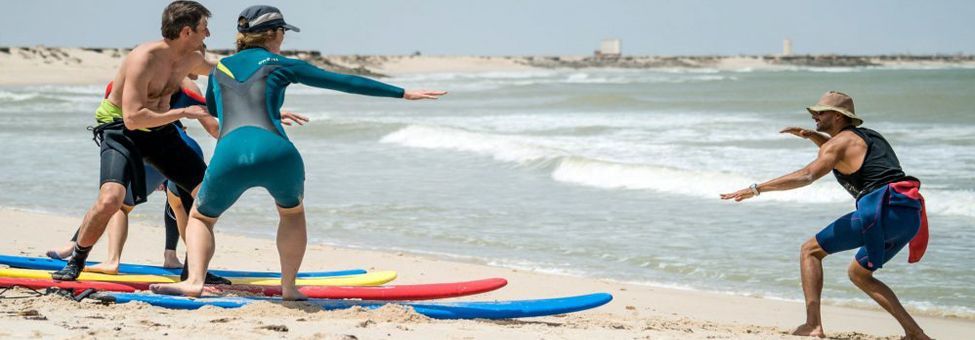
x: 829, y: 155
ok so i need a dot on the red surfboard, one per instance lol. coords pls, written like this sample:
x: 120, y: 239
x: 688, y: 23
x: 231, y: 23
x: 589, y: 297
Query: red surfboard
x: 75, y: 286
x: 396, y: 292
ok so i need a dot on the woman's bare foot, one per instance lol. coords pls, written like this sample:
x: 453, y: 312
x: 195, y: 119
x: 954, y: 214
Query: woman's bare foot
x: 170, y: 260
x: 809, y: 330
x: 180, y: 288
x: 110, y: 268
x: 292, y: 294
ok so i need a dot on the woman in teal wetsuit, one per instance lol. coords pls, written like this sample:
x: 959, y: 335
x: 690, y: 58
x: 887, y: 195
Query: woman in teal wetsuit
x: 246, y: 92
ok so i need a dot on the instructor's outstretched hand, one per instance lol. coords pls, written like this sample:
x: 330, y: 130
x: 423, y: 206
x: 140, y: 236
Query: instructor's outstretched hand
x: 814, y: 136
x: 422, y: 94
x: 288, y: 117
x: 799, y: 132
x: 739, y: 195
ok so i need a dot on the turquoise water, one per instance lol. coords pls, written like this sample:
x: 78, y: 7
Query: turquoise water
x: 601, y: 173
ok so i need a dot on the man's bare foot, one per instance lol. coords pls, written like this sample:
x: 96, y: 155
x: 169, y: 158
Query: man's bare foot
x: 61, y: 254
x: 921, y: 336
x: 809, y: 330
x: 180, y: 288
x: 170, y: 260
x: 292, y: 294
x: 104, y: 268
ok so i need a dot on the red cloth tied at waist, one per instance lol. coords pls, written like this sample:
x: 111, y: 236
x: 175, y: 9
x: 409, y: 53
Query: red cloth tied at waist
x: 920, y: 241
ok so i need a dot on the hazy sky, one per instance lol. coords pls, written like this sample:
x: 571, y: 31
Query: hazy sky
x: 526, y: 27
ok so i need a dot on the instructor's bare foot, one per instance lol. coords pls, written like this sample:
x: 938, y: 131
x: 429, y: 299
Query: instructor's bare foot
x: 809, y: 330
x: 181, y: 288
x: 292, y: 294
x: 104, y: 268
x: 921, y: 336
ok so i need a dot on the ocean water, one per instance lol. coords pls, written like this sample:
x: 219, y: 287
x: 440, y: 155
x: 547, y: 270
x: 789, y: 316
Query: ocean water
x: 600, y: 173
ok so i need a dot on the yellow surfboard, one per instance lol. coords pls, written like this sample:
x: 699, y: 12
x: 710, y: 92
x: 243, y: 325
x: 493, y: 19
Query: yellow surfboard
x: 367, y: 279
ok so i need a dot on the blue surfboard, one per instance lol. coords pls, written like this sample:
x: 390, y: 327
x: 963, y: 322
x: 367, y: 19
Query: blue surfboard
x: 443, y: 310
x: 124, y: 268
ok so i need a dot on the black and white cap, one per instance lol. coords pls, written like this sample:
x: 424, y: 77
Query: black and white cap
x: 260, y: 18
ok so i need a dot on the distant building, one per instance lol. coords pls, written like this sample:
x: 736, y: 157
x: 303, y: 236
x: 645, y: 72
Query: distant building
x: 609, y: 49
x: 787, y: 47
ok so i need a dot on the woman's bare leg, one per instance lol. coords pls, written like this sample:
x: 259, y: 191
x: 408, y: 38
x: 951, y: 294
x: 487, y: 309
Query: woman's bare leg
x: 292, y: 240
x: 200, y: 247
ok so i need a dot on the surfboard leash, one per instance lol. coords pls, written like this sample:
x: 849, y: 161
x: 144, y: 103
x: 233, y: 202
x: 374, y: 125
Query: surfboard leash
x: 32, y: 293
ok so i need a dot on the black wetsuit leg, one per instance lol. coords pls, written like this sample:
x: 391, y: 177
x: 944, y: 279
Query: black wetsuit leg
x: 172, y: 229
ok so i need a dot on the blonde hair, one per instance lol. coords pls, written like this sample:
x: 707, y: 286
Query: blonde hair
x: 253, y: 39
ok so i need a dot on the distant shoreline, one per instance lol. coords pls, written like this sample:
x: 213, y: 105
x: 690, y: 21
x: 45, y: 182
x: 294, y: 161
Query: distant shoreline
x: 93, y: 65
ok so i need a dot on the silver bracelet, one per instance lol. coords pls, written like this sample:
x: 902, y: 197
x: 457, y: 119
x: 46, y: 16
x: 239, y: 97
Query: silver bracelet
x: 754, y: 188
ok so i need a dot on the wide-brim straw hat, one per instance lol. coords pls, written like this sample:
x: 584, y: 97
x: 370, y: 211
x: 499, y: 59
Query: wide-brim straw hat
x: 839, y: 102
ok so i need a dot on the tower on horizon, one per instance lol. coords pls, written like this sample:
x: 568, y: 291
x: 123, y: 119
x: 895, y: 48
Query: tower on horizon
x: 609, y: 49
x: 787, y: 47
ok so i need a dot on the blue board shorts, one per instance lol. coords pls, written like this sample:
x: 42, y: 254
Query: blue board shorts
x: 895, y: 217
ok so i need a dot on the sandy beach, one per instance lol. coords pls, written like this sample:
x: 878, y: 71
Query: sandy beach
x: 637, y: 311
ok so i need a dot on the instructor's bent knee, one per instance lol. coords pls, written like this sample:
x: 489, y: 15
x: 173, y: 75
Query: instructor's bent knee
x: 859, y: 275
x: 812, y: 248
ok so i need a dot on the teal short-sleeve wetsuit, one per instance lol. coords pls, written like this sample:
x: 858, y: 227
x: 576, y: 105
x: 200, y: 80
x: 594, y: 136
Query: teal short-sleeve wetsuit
x: 245, y: 93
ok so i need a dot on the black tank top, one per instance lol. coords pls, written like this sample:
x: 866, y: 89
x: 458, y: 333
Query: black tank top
x: 880, y: 166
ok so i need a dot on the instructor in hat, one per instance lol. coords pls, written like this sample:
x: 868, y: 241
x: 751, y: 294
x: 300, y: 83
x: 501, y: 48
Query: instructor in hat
x: 889, y: 210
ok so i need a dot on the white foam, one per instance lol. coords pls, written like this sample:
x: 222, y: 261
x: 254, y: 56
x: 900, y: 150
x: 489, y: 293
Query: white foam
x: 949, y: 202
x: 585, y: 78
x: 596, y: 173
x: 650, y: 123
x: 496, y: 80
x: 583, y: 162
x: 703, y: 184
x: 502, y: 148
x: 478, y: 75
x: 16, y: 97
x: 71, y: 89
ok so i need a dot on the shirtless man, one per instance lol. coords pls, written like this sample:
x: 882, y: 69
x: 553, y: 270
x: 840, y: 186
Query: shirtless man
x: 175, y: 220
x: 135, y: 122
x: 889, y: 211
